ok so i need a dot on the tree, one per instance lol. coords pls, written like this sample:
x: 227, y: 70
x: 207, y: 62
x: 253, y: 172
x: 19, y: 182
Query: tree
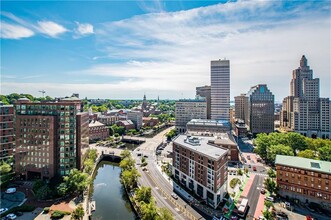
x: 125, y: 154
x: 262, y: 142
x: 118, y: 129
x: 267, y: 215
x: 270, y: 185
x: 165, y: 214
x: 268, y: 204
x: 296, y: 142
x: 127, y: 163
x: 148, y: 210
x: 307, y: 154
x: 5, y: 168
x: 278, y: 149
x: 62, y: 189
x: 240, y: 172
x: 325, y: 153
x: 78, y: 213
x: 144, y: 194
x: 271, y: 173
x: 76, y: 181
x: 43, y: 192
x: 129, y: 178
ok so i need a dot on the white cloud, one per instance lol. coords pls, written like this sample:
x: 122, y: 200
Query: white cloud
x: 83, y: 29
x: 51, y: 28
x: 11, y: 31
x: 263, y: 41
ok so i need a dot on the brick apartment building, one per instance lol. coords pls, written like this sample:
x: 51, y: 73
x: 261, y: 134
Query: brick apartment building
x: 98, y: 131
x: 201, y: 167
x: 7, y: 141
x: 49, y: 137
x: 304, y: 179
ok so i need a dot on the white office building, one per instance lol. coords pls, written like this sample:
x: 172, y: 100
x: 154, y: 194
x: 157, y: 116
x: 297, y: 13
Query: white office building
x: 220, y: 89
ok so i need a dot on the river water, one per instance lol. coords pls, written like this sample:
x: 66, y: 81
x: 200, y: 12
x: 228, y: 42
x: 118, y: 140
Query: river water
x: 109, y: 194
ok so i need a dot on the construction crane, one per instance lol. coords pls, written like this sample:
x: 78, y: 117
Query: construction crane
x: 43, y: 92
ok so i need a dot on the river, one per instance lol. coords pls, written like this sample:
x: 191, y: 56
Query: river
x: 109, y: 195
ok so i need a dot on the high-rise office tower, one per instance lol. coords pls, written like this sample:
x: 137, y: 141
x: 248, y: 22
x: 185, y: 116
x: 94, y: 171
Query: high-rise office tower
x: 49, y: 137
x: 220, y: 89
x: 204, y: 91
x: 7, y: 141
x: 188, y: 109
x: 241, y: 107
x: 304, y: 111
x: 261, y: 107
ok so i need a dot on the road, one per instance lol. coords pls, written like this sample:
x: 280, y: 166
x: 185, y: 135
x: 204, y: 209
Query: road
x: 253, y: 195
x: 161, y: 187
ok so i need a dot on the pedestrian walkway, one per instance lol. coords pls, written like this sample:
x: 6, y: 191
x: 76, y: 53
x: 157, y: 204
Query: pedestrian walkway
x: 248, y: 185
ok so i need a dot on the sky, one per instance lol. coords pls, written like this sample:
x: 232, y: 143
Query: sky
x: 125, y: 49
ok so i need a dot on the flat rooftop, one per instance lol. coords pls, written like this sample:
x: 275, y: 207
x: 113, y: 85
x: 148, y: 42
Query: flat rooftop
x: 209, y: 122
x: 304, y: 163
x: 200, y: 145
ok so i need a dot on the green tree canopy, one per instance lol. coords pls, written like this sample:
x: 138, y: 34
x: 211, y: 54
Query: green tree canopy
x: 271, y: 173
x: 270, y: 185
x: 144, y: 194
x: 148, y: 210
x: 5, y: 168
x: 307, y: 154
x: 278, y: 149
x: 76, y: 181
x: 325, y: 153
x: 78, y: 213
x: 296, y: 142
x: 165, y: 214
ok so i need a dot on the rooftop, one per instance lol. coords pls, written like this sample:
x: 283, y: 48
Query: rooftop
x: 209, y: 122
x: 95, y: 124
x: 200, y: 144
x: 304, y: 163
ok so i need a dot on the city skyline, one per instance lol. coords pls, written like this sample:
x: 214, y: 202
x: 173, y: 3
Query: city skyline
x: 161, y: 49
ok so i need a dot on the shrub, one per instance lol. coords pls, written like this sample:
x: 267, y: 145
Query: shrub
x: 59, y: 214
x: 46, y: 210
x: 234, y: 182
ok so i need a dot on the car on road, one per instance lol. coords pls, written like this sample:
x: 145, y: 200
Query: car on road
x: 145, y: 156
x: 269, y: 198
x: 174, y: 196
x: 11, y: 216
x: 3, y: 210
x: 249, y: 166
x: 11, y: 190
x: 144, y: 169
x: 254, y: 168
x: 262, y: 191
x: 248, y: 157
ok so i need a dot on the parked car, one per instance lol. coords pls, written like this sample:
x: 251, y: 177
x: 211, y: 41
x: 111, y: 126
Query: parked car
x: 262, y: 191
x: 3, y: 210
x: 249, y: 166
x: 11, y: 216
x: 174, y: 196
x: 11, y: 190
x: 254, y: 168
x: 269, y: 198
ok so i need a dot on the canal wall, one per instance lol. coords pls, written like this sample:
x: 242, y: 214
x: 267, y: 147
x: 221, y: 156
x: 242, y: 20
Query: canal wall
x: 111, y: 158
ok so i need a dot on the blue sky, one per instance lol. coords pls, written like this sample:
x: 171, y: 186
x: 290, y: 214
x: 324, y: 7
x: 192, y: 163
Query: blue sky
x: 123, y: 49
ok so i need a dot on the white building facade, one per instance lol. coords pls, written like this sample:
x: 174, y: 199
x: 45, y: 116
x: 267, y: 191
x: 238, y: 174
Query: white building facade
x: 220, y: 89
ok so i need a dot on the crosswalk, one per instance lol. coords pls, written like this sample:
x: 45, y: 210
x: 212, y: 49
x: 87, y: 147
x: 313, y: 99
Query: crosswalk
x: 259, y: 174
